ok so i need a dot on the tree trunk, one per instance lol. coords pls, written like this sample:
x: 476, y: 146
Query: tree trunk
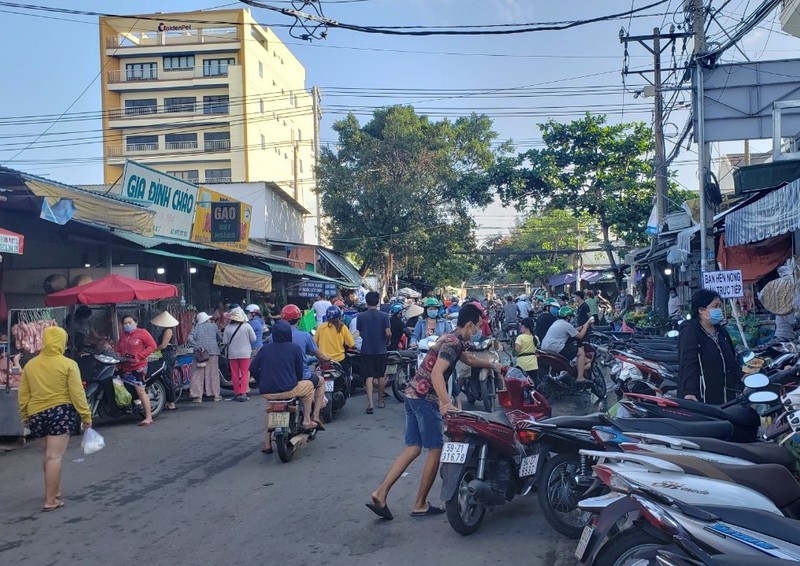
x: 615, y: 268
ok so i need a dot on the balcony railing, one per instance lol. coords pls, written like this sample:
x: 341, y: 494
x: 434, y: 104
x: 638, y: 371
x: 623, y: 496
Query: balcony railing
x: 138, y: 147
x: 217, y: 145
x: 157, y: 74
x: 181, y: 145
x: 209, y: 109
x: 212, y: 180
x: 172, y: 37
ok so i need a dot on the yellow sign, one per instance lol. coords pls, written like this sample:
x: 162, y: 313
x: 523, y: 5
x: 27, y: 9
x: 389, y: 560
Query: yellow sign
x: 201, y: 230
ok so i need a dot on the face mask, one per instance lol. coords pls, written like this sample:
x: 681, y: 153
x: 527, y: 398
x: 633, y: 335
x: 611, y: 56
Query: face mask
x: 476, y: 336
x: 715, y: 316
x: 128, y: 328
x: 433, y: 313
x: 554, y: 311
x: 673, y: 295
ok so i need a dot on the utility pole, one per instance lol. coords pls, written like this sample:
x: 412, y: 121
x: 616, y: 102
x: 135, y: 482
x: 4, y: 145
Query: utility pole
x: 659, y: 159
x: 315, y: 102
x: 296, y: 170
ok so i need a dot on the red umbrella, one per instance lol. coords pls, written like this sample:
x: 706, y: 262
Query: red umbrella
x: 111, y: 289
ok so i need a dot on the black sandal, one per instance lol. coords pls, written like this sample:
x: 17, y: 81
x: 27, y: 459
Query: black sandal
x: 370, y: 410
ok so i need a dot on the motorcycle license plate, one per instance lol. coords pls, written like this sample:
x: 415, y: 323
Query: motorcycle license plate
x: 278, y: 420
x: 528, y: 466
x: 584, y: 542
x: 329, y: 386
x: 391, y: 369
x: 454, y: 452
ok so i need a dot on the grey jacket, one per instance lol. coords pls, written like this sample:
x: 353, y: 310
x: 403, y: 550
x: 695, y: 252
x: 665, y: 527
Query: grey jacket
x: 240, y: 348
x: 206, y: 336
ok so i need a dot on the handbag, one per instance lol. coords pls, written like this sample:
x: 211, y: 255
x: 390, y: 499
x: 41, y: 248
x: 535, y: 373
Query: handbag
x: 201, y: 357
x: 224, y: 351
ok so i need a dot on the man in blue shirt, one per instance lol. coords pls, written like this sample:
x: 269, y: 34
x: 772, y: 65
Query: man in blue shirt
x: 374, y: 328
x: 292, y: 314
x: 454, y: 306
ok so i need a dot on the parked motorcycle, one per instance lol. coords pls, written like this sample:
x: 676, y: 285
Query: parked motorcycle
x: 98, y: 371
x: 338, y: 385
x: 559, y: 376
x: 284, y: 419
x: 400, y: 368
x: 480, y: 384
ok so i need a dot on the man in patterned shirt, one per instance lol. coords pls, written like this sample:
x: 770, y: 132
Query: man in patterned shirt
x: 427, y: 399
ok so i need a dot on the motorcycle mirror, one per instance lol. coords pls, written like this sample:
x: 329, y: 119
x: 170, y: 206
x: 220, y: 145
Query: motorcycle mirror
x: 672, y: 333
x: 756, y: 381
x: 747, y: 355
x: 762, y: 397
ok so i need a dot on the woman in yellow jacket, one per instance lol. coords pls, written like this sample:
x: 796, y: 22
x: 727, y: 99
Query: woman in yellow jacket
x: 333, y: 337
x: 52, y: 404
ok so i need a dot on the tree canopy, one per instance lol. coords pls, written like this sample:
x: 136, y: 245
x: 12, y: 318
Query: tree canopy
x: 398, y: 191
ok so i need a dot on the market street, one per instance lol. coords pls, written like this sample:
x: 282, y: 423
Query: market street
x: 195, y: 489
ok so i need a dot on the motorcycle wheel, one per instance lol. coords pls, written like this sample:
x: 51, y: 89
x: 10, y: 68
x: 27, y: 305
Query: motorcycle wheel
x: 225, y: 375
x: 158, y: 397
x: 599, y: 387
x: 464, y: 517
x: 177, y: 377
x: 487, y: 394
x: 327, y: 411
x: 399, y: 385
x: 625, y: 546
x: 285, y: 447
x: 559, y: 495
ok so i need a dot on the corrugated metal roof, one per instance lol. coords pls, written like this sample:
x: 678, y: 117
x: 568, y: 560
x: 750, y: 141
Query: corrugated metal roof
x: 343, y: 266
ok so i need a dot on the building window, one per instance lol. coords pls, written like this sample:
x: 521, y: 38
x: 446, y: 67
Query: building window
x: 217, y: 67
x: 180, y: 141
x: 215, y: 104
x: 218, y: 175
x: 301, y: 165
x: 141, y: 143
x: 178, y: 63
x: 141, y: 107
x: 217, y: 141
x: 263, y: 142
x: 141, y: 71
x: 261, y: 105
x: 261, y: 69
x: 190, y: 175
x: 299, y: 135
x: 180, y: 104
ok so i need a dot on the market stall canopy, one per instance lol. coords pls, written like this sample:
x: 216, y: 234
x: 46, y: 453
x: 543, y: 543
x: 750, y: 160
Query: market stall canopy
x: 240, y: 277
x: 11, y: 242
x: 409, y: 292
x: 111, y: 289
x: 775, y: 214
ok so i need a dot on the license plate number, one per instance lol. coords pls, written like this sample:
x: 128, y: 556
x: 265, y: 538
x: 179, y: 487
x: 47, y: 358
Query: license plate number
x: 329, y: 386
x: 278, y: 420
x: 528, y: 466
x: 584, y: 542
x: 391, y: 369
x: 454, y: 453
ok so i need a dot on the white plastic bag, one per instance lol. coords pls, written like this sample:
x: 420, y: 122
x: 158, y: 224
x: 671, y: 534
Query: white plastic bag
x: 92, y: 441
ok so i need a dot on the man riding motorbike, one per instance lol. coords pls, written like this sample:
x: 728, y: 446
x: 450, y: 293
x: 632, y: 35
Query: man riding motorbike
x: 547, y: 318
x: 564, y: 338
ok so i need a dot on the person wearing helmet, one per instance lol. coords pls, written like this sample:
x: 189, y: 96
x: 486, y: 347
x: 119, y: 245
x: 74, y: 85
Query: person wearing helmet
x: 321, y: 306
x: 547, y: 318
x: 429, y: 324
x: 333, y: 338
x: 257, y: 322
x: 454, y: 306
x: 563, y: 338
x: 510, y: 313
x: 292, y: 314
x: 397, y: 325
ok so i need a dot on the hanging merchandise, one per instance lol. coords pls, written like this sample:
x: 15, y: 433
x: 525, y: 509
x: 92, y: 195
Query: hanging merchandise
x: 778, y: 295
x: 25, y: 329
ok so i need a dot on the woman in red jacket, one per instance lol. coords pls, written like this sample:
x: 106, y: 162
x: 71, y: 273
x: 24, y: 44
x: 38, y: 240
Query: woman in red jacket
x: 136, y: 345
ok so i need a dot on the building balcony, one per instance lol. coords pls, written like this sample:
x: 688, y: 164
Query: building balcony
x: 182, y: 145
x: 161, y: 39
x: 160, y: 115
x: 790, y: 17
x: 117, y: 76
x: 131, y: 148
x: 215, y: 180
x: 212, y: 146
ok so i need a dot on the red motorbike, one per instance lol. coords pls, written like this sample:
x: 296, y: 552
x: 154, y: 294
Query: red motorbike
x: 557, y: 374
x: 491, y: 457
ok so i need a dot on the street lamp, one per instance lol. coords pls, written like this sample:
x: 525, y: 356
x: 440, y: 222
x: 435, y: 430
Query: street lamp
x: 668, y: 271
x: 192, y: 270
x: 161, y: 271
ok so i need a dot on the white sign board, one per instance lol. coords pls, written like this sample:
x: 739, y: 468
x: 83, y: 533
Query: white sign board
x: 728, y: 284
x: 172, y: 199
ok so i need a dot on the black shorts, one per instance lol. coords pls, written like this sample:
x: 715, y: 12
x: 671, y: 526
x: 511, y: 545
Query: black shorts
x: 373, y: 365
x: 570, y: 351
x: 55, y: 421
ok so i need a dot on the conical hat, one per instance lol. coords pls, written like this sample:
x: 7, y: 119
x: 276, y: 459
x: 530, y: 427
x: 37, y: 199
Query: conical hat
x: 165, y: 320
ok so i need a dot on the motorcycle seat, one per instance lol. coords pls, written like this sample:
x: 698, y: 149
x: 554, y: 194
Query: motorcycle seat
x: 585, y: 422
x: 543, y: 356
x: 672, y: 427
x: 408, y: 354
x: 498, y: 417
x: 756, y: 452
x: 735, y: 414
x: 759, y: 521
x: 656, y: 355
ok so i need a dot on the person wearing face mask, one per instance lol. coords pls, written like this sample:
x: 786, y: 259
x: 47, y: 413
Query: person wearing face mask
x: 135, y: 345
x: 708, y: 369
x: 547, y: 318
x: 429, y: 324
x: 674, y: 304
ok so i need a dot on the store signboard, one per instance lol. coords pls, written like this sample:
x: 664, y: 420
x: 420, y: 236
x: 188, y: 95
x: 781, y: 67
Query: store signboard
x: 201, y: 229
x: 11, y: 242
x: 172, y: 199
x: 311, y: 289
x: 226, y: 221
x: 728, y: 284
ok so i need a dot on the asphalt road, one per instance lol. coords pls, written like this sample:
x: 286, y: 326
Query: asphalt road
x: 195, y: 489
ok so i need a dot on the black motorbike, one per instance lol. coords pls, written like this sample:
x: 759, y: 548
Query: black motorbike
x: 400, y: 368
x: 338, y: 385
x: 98, y: 371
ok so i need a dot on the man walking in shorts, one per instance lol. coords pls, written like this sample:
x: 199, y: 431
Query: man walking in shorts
x: 374, y: 328
x: 427, y: 399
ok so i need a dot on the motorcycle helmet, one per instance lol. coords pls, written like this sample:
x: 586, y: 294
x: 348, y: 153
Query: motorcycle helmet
x: 252, y: 308
x: 430, y: 302
x: 333, y: 313
x: 564, y: 312
x: 551, y: 302
x: 396, y: 308
x: 291, y: 313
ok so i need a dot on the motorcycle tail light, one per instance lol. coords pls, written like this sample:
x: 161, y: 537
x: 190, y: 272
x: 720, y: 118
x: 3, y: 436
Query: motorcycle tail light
x: 657, y: 516
x: 528, y: 436
x: 612, y: 479
x: 504, y: 399
x: 276, y: 407
x: 602, y: 436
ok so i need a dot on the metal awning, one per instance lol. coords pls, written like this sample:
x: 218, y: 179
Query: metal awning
x: 153, y: 241
x: 351, y: 275
x: 773, y: 214
x: 191, y: 258
x: 240, y: 277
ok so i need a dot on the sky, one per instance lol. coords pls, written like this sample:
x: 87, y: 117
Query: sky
x: 518, y: 80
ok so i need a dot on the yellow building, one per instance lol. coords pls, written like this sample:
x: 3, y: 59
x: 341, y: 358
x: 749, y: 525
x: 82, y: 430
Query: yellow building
x: 210, y: 97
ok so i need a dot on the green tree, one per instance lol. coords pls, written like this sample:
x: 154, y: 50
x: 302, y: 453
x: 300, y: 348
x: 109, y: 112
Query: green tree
x: 590, y: 169
x: 397, y: 191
